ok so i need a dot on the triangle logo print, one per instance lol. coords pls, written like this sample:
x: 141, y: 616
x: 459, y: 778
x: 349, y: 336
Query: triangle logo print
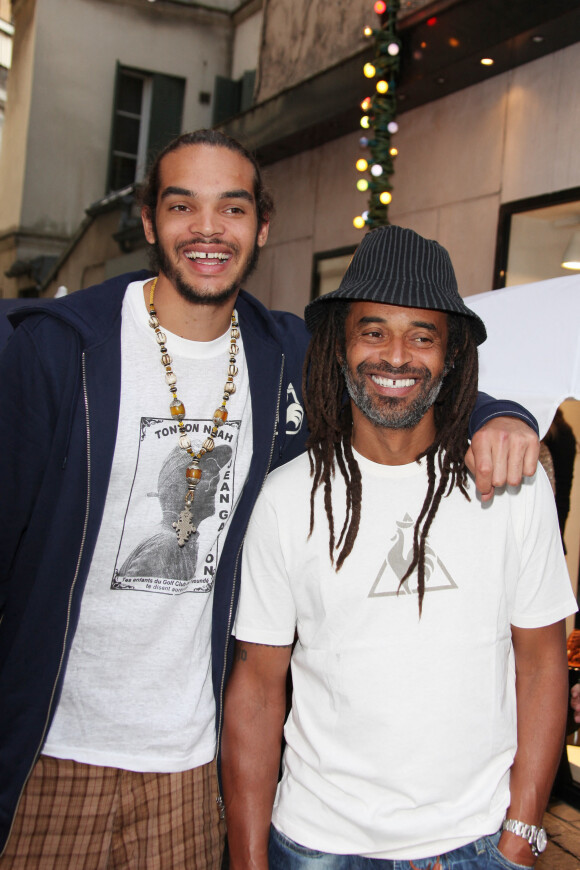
x: 398, y: 559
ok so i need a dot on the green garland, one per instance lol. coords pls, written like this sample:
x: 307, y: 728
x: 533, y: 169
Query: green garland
x: 381, y: 115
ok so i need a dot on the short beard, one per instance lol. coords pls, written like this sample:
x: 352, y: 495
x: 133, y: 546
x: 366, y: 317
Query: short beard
x: 385, y: 411
x: 160, y: 262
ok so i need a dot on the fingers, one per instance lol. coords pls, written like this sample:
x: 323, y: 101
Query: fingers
x: 502, y: 452
x: 531, y: 456
x: 523, y: 450
x: 482, y: 474
x: 575, y: 701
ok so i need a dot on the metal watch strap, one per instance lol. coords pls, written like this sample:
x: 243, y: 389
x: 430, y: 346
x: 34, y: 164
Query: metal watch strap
x: 536, y: 837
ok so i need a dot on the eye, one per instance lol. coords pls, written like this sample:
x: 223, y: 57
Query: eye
x: 235, y: 209
x: 423, y: 340
x: 178, y: 207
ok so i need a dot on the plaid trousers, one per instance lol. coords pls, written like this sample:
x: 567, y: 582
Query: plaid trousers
x: 76, y: 816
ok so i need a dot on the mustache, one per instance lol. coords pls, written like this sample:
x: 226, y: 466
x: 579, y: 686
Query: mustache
x: 232, y: 247
x: 387, y: 369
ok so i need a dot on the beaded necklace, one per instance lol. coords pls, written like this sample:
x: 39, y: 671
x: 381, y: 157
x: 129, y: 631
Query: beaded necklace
x: 184, y: 525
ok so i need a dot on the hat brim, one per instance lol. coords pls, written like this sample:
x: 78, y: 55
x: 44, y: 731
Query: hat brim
x: 313, y: 313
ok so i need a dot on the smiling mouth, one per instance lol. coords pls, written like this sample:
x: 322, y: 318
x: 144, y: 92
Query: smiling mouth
x: 207, y: 255
x: 392, y: 383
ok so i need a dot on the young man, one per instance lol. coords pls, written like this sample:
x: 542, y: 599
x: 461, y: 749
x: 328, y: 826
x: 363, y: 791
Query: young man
x: 139, y: 421
x: 424, y: 620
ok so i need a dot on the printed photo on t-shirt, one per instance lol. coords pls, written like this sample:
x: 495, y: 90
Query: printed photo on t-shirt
x: 149, y: 557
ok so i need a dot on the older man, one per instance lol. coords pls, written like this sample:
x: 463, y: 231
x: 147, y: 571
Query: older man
x: 429, y: 670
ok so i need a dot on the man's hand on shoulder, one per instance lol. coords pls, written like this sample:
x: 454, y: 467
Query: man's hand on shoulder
x: 502, y: 452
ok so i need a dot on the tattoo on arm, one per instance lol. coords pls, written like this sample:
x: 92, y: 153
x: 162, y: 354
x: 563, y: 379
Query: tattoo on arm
x: 241, y: 652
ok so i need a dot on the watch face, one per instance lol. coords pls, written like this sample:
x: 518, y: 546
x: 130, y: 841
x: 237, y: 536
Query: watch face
x: 541, y: 840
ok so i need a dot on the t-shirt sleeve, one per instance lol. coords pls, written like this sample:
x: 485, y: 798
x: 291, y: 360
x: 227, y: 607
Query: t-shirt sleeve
x: 266, y: 611
x: 544, y: 592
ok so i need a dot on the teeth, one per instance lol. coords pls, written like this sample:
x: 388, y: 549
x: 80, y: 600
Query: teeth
x: 206, y: 255
x: 389, y: 382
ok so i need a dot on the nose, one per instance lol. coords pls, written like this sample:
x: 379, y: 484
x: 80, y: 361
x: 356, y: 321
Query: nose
x: 206, y: 222
x: 396, y: 352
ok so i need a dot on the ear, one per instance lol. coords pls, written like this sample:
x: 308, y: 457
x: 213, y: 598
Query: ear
x: 262, y: 236
x: 148, y: 225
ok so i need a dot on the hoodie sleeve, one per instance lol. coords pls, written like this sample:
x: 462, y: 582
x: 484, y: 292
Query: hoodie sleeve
x: 35, y: 382
x: 486, y: 408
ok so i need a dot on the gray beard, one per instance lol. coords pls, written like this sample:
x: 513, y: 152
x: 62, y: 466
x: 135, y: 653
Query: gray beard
x: 386, y: 411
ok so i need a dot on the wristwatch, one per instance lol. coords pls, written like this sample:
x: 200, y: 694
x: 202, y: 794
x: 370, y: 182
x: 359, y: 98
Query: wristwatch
x: 536, y: 837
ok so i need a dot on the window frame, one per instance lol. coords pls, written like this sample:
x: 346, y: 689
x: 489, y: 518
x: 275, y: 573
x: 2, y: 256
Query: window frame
x: 160, y: 118
x: 335, y: 253
x: 516, y: 207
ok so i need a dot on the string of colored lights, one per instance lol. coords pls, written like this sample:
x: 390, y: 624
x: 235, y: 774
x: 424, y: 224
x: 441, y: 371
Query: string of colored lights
x: 379, y: 112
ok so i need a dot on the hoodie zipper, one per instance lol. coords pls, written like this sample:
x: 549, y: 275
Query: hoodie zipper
x: 72, y: 589
x: 219, y: 799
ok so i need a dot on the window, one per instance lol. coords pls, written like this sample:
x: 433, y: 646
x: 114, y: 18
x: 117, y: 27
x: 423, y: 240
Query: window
x: 147, y: 115
x: 328, y: 270
x: 535, y: 237
x: 130, y: 127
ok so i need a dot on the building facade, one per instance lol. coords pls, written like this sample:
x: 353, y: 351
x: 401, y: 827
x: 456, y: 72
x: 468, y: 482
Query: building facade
x: 96, y: 87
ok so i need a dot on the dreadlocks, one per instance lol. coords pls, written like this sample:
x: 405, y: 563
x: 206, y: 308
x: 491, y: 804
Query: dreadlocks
x: 330, y: 422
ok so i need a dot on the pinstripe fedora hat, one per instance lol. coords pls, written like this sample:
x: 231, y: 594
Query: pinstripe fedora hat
x: 396, y: 266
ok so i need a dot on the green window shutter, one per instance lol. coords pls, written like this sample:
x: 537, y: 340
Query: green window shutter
x: 226, y: 100
x: 166, y: 112
x: 248, y: 83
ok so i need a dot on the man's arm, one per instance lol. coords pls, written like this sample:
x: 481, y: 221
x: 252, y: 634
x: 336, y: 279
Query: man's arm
x: 255, y: 709
x: 542, y: 694
x: 25, y: 450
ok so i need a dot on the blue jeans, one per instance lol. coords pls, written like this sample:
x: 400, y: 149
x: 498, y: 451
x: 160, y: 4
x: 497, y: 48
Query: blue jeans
x: 483, y: 854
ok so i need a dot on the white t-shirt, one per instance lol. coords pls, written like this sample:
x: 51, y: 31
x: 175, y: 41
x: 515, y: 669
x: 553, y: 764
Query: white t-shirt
x: 137, y: 692
x: 402, y: 730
